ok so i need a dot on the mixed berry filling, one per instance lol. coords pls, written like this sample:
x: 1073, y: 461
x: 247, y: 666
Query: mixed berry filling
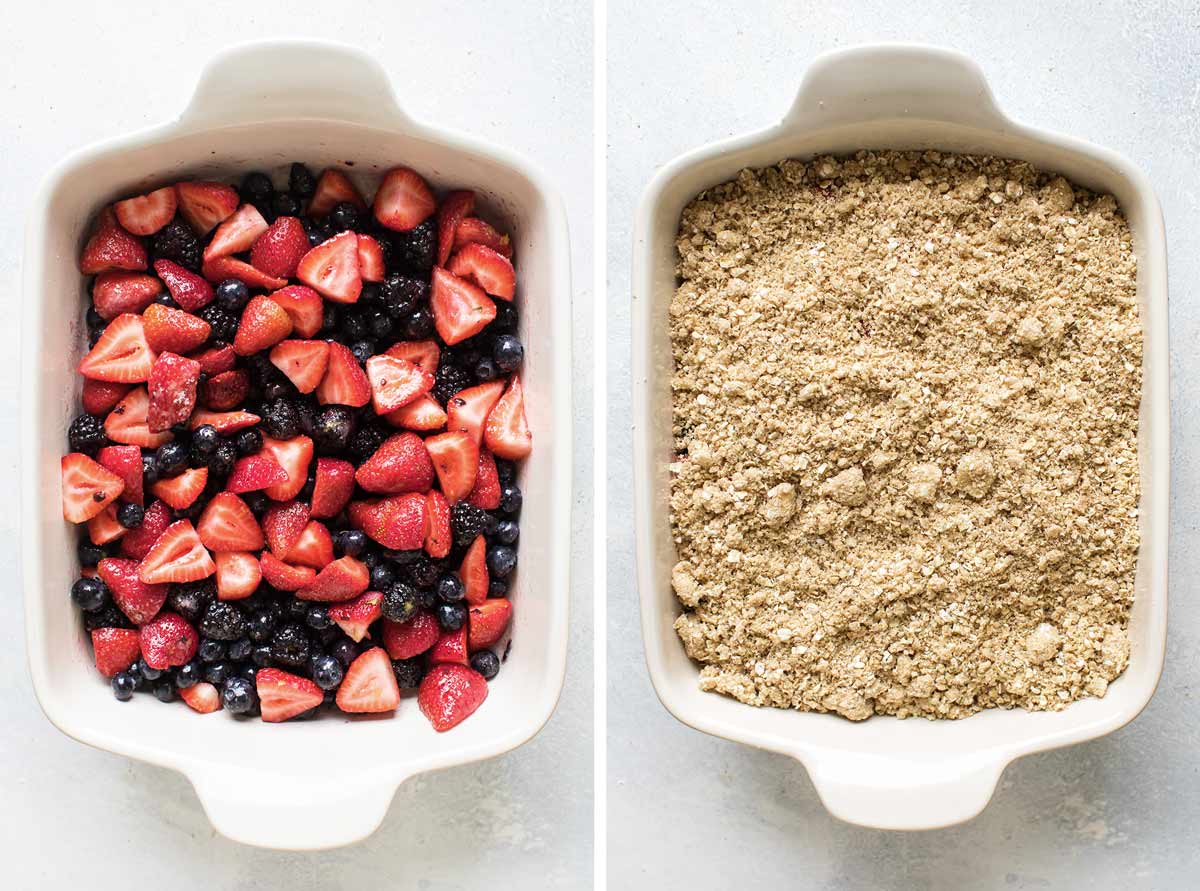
x: 297, y: 464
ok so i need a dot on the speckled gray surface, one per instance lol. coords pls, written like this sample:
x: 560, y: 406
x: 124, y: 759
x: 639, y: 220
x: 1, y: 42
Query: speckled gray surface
x: 687, y: 811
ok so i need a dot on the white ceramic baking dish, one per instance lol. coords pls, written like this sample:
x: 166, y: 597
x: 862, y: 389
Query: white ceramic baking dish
x: 326, y: 782
x: 889, y: 773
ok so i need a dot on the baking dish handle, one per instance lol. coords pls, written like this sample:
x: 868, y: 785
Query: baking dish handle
x: 278, y: 79
x: 871, y: 83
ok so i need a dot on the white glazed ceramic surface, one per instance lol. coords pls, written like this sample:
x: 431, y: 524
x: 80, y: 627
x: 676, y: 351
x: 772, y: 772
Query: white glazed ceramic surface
x: 326, y: 782
x: 888, y: 773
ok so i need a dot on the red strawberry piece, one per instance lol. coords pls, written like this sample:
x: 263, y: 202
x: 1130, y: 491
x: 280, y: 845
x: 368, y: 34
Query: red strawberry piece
x: 115, y: 649
x: 302, y: 361
x: 226, y: 390
x: 397, y: 523
x: 104, y: 527
x: 456, y: 459
x: 460, y: 309
x: 137, y: 542
x: 114, y: 293
x: 139, y: 601
x: 216, y: 360
x: 121, y: 355
x: 303, y: 306
x: 101, y: 397
x: 146, y: 214
x: 422, y: 353
x: 401, y: 464
x: 177, y: 556
x: 279, y: 249
x: 345, y: 383
x: 224, y: 422
x: 187, y: 289
x: 127, y: 422
x: 486, y: 493
x: 449, y: 694
x: 237, y: 234
x: 205, y: 204
x: 87, y: 487
x: 451, y: 646
x: 264, y: 323
x: 424, y: 413
x: 126, y: 462
x: 437, y: 532
x: 181, y: 492
x: 404, y: 640
x: 202, y: 697
x: 395, y: 382
x: 473, y: 230
x: 339, y: 580
x: 403, y: 201
x: 369, y: 685
x: 282, y: 525
x: 333, y: 487
x: 313, y: 548
x: 220, y: 268
x: 173, y: 329
x: 455, y: 206
x: 331, y: 268
x: 487, y: 622
x: 293, y: 455
x: 238, y: 574
x: 506, y: 431
x: 168, y: 640
x: 172, y: 389
x: 468, y: 409
x: 474, y: 573
x: 356, y: 617
x: 111, y: 247
x: 255, y: 472
x: 283, y: 695
x: 370, y: 259
x: 284, y: 576
x: 333, y: 188
x: 489, y: 269
x: 227, y: 524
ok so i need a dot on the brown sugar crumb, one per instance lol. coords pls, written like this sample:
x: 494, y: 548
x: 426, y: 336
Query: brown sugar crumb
x: 905, y: 412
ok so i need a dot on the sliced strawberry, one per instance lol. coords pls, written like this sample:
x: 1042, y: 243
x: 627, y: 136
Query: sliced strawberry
x: 220, y: 268
x: 345, y: 383
x: 333, y: 188
x: 304, y: 306
x: 216, y: 360
x: 255, y: 472
x: 333, y: 488
x: 423, y: 413
x: 474, y: 572
x: 227, y: 524
x: 356, y: 617
x: 486, y: 492
x: 404, y: 640
x: 455, y: 206
x: 279, y: 249
x: 401, y: 464
x: 473, y: 230
x: 137, y: 542
x: 451, y: 646
x: 456, y: 459
x: 395, y: 382
x: 139, y: 601
x: 331, y: 268
x: 438, y: 537
x: 284, y: 576
x: 282, y: 525
x: 114, y: 293
x: 282, y: 695
x: 111, y: 247
x: 181, y: 492
x: 224, y: 422
x: 115, y: 649
x: 313, y: 548
x: 293, y: 455
x: 302, y: 361
x: 87, y: 487
x: 238, y: 574
x: 468, y: 409
x: 370, y: 259
x: 101, y: 397
x: 238, y: 233
x: 104, y: 527
x: 449, y: 694
x: 264, y: 323
x: 173, y: 329
x: 127, y: 422
x: 226, y: 390
x: 205, y: 204
x: 202, y: 697
x: 172, y: 389
x: 126, y: 462
x: 168, y: 640
x: 121, y: 355
x: 397, y: 523
x: 422, y: 353
x: 403, y: 201
x: 487, y: 622
x: 340, y: 580
x: 187, y: 289
x: 177, y: 556
x: 460, y: 309
x: 146, y: 214
x: 506, y: 431
x: 489, y: 269
x: 370, y: 684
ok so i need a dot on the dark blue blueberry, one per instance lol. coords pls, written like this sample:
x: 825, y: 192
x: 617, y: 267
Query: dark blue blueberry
x: 507, y: 532
x: 301, y: 182
x: 403, y: 558
x: 327, y: 671
x: 331, y: 318
x: 218, y: 672
x: 485, y: 370
x: 150, y: 674
x: 450, y: 588
x: 107, y: 616
x: 295, y: 608
x: 249, y: 670
x: 165, y: 299
x: 260, y: 625
x: 343, y: 217
x: 149, y: 470
x: 450, y: 616
x: 354, y: 325
x: 317, y: 618
x: 408, y: 672
x: 501, y: 561
x: 257, y: 188
x: 362, y: 350
x: 418, y: 324
x: 130, y: 516
x: 350, y: 542
x: 507, y: 353
x: 123, y: 685
x: 205, y: 439
x: 497, y: 588
x: 95, y: 321
x: 211, y: 650
x: 506, y: 471
x: 486, y: 663
x: 170, y: 458
x: 257, y: 502
x: 382, y: 575
x: 220, y: 463
x: 285, y: 205
x: 249, y: 442
x: 510, y: 499
x: 189, y: 674
x: 261, y: 655
x: 238, y: 695
x: 90, y: 554
x: 399, y: 602
x: 164, y: 691
x: 89, y: 594
x: 232, y: 295
x: 371, y: 294
x: 344, y: 651
x: 240, y: 649
x: 381, y: 325
x: 506, y: 318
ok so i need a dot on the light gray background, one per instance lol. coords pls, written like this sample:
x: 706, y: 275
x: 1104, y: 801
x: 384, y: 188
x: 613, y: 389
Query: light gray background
x: 74, y: 817
x: 691, y: 812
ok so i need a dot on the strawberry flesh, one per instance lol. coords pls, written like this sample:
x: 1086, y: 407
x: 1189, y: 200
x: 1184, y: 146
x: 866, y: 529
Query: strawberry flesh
x: 449, y: 694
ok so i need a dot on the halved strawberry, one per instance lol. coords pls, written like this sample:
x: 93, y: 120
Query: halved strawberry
x: 255, y: 472
x: 449, y: 694
x: 474, y: 572
x: 486, y: 492
x: 313, y: 548
x: 115, y: 649
x: 238, y: 233
x: 126, y: 462
x: 339, y: 580
x: 487, y: 622
x: 173, y: 329
x: 168, y: 640
x: 460, y: 309
x: 293, y: 455
x: 473, y: 230
x: 104, y: 527
x: 202, y: 697
x: 220, y: 268
x: 279, y: 249
x: 139, y: 601
x: 397, y: 522
x: 227, y: 524
x: 456, y: 459
x: 111, y: 247
x: 121, y: 355
x: 181, y: 492
x: 187, y: 289
x: 438, y: 537
x: 404, y: 640
x: 282, y: 525
x: 370, y: 259
x: 101, y: 397
x: 216, y: 360
x: 344, y: 383
x: 468, y: 409
x: 127, y: 422
x: 331, y: 268
x: 487, y: 268
x: 238, y: 574
x: 333, y: 488
x: 403, y: 201
x: 304, y: 306
x: 422, y: 353
x: 87, y: 487
x: 455, y: 206
x: 395, y: 382
x: 177, y: 556
x: 224, y: 422
x: 264, y: 323
x: 423, y: 413
x: 451, y: 646
x: 172, y: 389
x: 302, y: 361
x: 369, y: 685
x: 284, y: 576
x: 333, y: 187
x: 226, y: 390
x: 356, y: 617
x: 506, y: 431
x: 205, y: 204
x: 148, y: 213
x: 282, y: 695
x: 400, y: 464
x: 119, y: 292
x: 137, y: 542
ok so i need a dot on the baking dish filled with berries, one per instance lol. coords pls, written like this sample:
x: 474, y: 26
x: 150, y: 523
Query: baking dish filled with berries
x: 296, y: 446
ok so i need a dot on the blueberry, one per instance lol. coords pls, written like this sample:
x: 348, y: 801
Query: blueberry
x: 257, y: 188
x: 220, y: 465
x: 289, y: 646
x: 95, y: 321
x: 170, y: 458
x: 403, y: 558
x: 164, y: 691
x: 510, y: 499
x: 506, y: 318
x: 190, y: 600
x: 507, y: 532
x: 281, y: 421
x: 497, y: 588
x: 297, y: 609
x: 350, y: 542
x: 354, y: 325
x: 450, y: 616
x: 333, y: 428
x: 317, y: 618
x: 362, y: 350
x: 248, y: 442
x: 382, y: 575
x: 331, y: 319
x: 123, y: 685
x: 380, y: 325
x: 314, y: 232
x: 343, y: 217
x: 450, y: 588
x: 408, y: 672
x: 301, y: 182
x: 285, y: 205
x: 486, y: 663
x: 399, y: 602
x: 89, y: 554
x: 86, y: 434
x: 310, y: 484
x: 418, y: 324
x: 238, y: 695
x: 130, y: 516
x: 223, y: 621
x: 149, y: 470
x: 205, y: 439
x: 485, y: 370
x: 89, y: 594
x: 150, y: 674
x: 211, y: 650
x: 218, y: 672
x: 260, y: 626
x: 257, y: 502
x: 327, y: 672
x: 501, y: 560
x: 108, y: 616
x: 506, y: 471
x: 344, y: 651
x: 261, y: 655
x: 249, y: 670
x: 507, y: 353
x: 232, y: 295
x: 240, y: 649
x: 189, y: 674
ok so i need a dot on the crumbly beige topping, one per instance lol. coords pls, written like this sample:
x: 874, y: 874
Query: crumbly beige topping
x: 905, y: 413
